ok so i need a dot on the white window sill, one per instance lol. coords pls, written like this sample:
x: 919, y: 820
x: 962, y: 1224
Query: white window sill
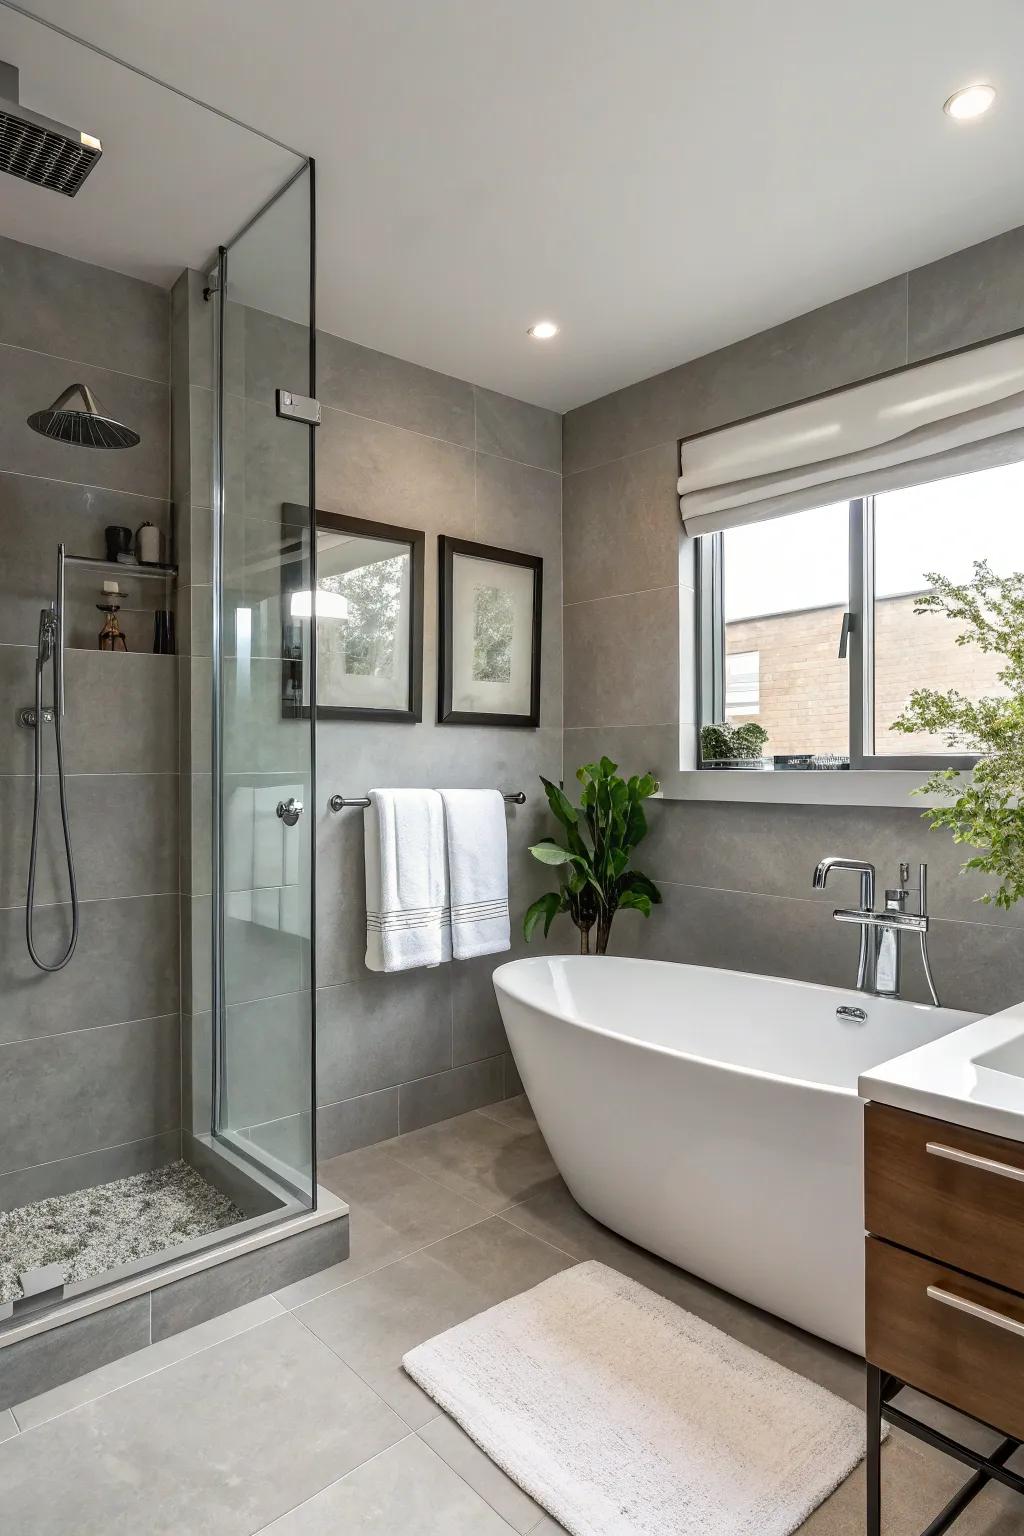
x: 867, y: 787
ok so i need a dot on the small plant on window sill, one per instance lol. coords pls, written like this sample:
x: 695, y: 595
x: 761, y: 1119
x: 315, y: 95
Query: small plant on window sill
x: 731, y: 743
x: 594, y: 878
x: 988, y: 812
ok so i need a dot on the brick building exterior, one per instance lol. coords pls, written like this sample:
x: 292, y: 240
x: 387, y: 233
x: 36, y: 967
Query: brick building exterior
x: 802, y: 688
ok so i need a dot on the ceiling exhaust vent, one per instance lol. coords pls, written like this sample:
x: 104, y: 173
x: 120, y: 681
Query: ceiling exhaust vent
x: 36, y: 149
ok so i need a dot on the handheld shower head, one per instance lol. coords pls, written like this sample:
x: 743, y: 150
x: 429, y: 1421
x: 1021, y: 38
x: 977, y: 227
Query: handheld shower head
x: 83, y: 426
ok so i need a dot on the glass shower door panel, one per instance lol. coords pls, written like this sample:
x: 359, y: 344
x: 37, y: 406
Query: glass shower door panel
x: 264, y: 798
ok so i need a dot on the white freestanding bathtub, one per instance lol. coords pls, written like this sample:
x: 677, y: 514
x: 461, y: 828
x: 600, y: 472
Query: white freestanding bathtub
x: 713, y: 1117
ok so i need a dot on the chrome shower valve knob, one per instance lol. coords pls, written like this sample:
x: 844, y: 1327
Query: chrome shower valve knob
x: 289, y: 811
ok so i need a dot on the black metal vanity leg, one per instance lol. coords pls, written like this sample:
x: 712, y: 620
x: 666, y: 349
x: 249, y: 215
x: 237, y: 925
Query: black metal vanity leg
x: 873, y: 1462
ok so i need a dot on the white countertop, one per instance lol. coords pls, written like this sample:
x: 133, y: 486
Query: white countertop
x: 972, y: 1077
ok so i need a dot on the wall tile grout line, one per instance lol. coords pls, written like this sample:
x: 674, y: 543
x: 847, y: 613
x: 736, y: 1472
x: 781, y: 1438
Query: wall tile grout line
x: 611, y: 597
x: 78, y: 362
x: 84, y: 485
x: 90, y: 1029
x: 119, y: 1146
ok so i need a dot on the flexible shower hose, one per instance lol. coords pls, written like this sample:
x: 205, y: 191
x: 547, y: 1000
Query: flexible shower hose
x: 49, y: 648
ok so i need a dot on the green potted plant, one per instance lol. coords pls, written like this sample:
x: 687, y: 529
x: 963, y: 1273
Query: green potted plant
x: 732, y: 746
x: 600, y: 834
x: 985, y: 811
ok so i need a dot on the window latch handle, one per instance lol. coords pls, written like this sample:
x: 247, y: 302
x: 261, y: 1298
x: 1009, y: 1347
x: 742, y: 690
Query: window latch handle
x: 844, y: 635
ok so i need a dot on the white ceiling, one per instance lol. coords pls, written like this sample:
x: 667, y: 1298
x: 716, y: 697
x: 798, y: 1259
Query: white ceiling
x: 174, y: 181
x: 660, y: 176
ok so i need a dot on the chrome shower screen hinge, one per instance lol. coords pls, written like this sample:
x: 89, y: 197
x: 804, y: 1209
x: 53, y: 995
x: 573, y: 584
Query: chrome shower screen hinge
x: 298, y: 407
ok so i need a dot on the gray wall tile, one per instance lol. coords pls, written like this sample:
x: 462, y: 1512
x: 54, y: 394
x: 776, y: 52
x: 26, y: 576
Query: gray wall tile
x: 373, y: 470
x: 636, y: 748
x: 356, y: 1123
x: 841, y: 343
x: 381, y: 1031
x: 515, y: 430
x: 599, y: 560
x: 69, y: 1174
x: 969, y: 297
x: 772, y: 849
x: 124, y: 830
x: 126, y: 967
x: 640, y: 416
x: 367, y: 383
x: 30, y: 381
x: 477, y: 1028
x: 86, y: 314
x: 62, y: 321
x: 49, y: 1359
x: 519, y: 507
x: 450, y: 1093
x: 622, y: 661
x: 121, y: 712
x: 274, y: 353
x: 837, y: 344
x: 184, y: 1303
x: 56, y: 1091
x: 268, y: 1056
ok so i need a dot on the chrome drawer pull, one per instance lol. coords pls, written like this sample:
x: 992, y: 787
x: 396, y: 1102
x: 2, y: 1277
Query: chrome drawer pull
x: 974, y: 1309
x: 970, y: 1160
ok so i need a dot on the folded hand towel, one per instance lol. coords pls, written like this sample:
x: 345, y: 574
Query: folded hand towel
x: 477, y: 871
x: 407, y: 918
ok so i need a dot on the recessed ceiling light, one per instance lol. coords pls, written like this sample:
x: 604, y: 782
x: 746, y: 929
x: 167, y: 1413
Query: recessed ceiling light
x: 543, y: 330
x: 970, y: 102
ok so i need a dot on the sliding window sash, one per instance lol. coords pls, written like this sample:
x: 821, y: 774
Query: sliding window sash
x: 710, y: 633
x: 862, y: 660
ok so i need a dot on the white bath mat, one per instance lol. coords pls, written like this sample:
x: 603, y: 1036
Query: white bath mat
x: 623, y: 1415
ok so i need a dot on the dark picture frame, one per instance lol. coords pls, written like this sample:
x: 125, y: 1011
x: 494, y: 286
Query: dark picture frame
x: 297, y: 575
x: 449, y: 551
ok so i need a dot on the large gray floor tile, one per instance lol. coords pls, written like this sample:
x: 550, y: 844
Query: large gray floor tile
x: 466, y: 1458
x: 8, y: 1425
x: 408, y: 1491
x: 219, y: 1445
x: 393, y: 1211
x: 416, y: 1208
x: 144, y: 1362
x: 476, y: 1156
x: 374, y: 1321
x: 515, y: 1112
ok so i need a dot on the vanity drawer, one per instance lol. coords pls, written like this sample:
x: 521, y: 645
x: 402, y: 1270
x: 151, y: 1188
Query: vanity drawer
x: 954, y: 1194
x: 951, y: 1336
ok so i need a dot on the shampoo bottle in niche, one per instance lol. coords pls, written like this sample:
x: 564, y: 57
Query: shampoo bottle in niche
x: 147, y: 544
x: 111, y: 638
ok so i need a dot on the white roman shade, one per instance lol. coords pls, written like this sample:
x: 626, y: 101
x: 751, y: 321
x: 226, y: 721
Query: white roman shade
x: 945, y: 418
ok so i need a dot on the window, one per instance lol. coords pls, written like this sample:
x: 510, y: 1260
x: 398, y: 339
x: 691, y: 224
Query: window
x: 808, y: 625
x: 742, y: 683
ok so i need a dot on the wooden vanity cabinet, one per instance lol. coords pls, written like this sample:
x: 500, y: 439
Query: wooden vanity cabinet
x: 944, y: 1211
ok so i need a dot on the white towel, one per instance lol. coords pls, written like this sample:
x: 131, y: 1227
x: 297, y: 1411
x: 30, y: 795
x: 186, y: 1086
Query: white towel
x: 477, y: 871
x: 408, y: 922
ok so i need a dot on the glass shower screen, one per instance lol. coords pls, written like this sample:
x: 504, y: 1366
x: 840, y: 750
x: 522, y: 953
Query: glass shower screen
x: 263, y: 750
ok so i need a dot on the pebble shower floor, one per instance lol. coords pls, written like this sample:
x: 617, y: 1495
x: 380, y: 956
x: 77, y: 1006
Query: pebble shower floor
x: 91, y: 1231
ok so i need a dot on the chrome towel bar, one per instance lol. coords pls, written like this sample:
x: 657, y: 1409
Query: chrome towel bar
x: 344, y: 803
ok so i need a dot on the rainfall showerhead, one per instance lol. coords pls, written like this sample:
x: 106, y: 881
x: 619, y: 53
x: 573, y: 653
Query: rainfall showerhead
x: 38, y: 150
x: 85, y: 426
